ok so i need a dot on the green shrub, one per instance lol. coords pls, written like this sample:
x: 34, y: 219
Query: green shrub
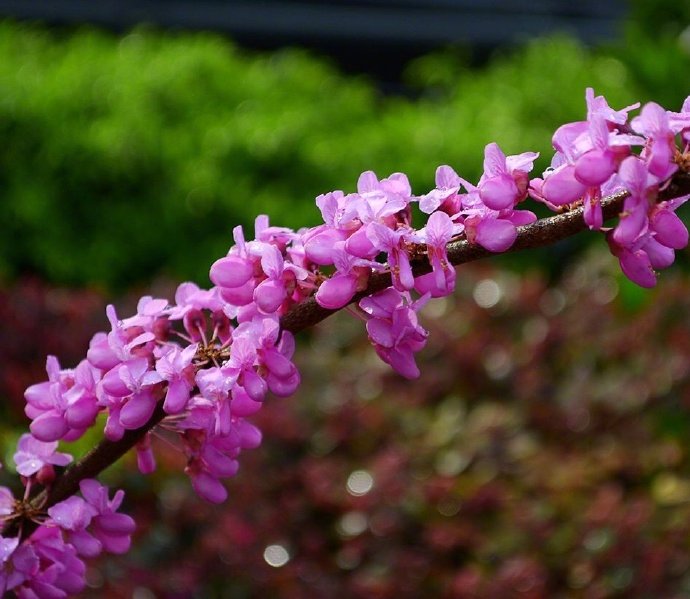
x: 128, y: 157
x: 125, y: 157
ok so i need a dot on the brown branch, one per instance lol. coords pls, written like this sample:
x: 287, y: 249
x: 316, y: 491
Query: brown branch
x: 94, y: 462
x: 545, y: 231
x: 538, y: 234
x: 91, y: 464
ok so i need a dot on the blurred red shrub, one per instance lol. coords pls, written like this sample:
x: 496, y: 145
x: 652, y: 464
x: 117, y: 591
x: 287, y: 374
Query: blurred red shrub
x: 39, y: 320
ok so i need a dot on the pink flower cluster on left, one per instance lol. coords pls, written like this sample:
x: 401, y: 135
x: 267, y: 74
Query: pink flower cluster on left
x: 50, y: 563
x: 206, y: 364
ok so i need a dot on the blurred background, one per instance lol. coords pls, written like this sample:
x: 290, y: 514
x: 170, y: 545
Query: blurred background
x: 544, y: 450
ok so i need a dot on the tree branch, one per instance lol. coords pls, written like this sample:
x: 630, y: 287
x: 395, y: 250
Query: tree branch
x: 538, y: 234
x: 543, y: 232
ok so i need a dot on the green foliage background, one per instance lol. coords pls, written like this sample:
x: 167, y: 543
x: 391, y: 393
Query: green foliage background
x: 124, y: 158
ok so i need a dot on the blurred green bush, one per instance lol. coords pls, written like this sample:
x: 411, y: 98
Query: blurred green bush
x: 124, y: 158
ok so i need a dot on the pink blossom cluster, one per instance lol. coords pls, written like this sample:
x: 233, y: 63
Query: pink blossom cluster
x: 203, y: 361
x: 594, y: 158
x: 371, y: 231
x: 51, y: 562
x: 202, y: 365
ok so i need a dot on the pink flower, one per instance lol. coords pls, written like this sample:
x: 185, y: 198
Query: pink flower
x: 492, y: 229
x: 504, y: 182
x: 215, y: 383
x: 444, y: 197
x: 679, y: 122
x: 112, y: 529
x: 32, y: 455
x: 339, y: 211
x: 281, y: 276
x: 319, y: 244
x: 636, y: 179
x: 45, y: 404
x: 634, y: 262
x: 351, y: 276
x: 386, y: 201
x: 560, y: 185
x: 277, y: 236
x: 394, y: 330
x: 393, y: 242
x: 64, y: 406
x: 126, y: 342
x: 237, y: 268
x: 654, y: 247
x: 588, y: 154
x: 597, y: 105
x: 6, y: 502
x: 438, y: 232
x: 274, y: 349
x: 653, y: 123
x: 206, y: 485
x: 135, y: 382
x: 46, y: 566
x: 192, y: 304
x: 176, y: 367
x: 7, y: 548
x: 150, y: 311
x: 667, y: 228
x: 243, y: 359
x: 603, y: 151
x: 146, y: 461
x: 73, y: 516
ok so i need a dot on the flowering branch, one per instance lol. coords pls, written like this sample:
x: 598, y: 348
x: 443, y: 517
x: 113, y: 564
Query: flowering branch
x: 66, y: 483
x: 201, y: 366
x: 309, y: 313
x: 543, y: 232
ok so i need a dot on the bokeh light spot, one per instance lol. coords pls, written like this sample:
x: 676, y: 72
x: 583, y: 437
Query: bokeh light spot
x: 552, y: 302
x: 487, y: 293
x: 352, y: 524
x: 276, y: 556
x: 360, y: 482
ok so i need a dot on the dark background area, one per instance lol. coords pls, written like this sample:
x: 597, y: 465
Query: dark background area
x: 377, y: 37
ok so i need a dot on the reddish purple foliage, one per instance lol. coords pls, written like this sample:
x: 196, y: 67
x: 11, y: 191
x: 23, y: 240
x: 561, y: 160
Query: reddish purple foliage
x: 39, y: 320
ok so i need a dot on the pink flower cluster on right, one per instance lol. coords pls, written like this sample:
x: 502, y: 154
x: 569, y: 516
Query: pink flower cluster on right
x: 594, y: 158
